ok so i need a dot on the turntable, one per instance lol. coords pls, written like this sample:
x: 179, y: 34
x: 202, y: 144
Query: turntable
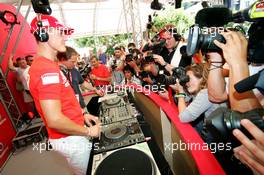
x: 119, y: 134
x: 131, y: 160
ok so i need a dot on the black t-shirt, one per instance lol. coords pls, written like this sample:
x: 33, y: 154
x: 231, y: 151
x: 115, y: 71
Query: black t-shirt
x: 75, y: 79
x: 167, y: 56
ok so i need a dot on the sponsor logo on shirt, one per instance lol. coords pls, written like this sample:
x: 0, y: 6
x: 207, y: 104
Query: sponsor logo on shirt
x: 64, y: 80
x: 50, y: 78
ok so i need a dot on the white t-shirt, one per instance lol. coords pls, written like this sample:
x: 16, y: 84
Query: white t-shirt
x: 24, y: 78
x: 175, y: 61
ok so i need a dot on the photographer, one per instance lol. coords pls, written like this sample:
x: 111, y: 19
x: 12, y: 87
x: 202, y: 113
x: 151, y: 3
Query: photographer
x: 235, y: 55
x: 171, y: 51
x: 200, y: 105
x: 131, y: 47
x: 149, y: 72
x: 130, y: 76
x: 134, y: 61
x: 116, y: 65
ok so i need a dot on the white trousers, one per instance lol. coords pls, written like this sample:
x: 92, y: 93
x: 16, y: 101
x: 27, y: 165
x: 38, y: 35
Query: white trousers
x: 76, y: 149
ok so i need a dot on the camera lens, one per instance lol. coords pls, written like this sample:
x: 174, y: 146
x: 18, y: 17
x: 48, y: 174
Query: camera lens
x: 223, y: 121
x: 207, y: 42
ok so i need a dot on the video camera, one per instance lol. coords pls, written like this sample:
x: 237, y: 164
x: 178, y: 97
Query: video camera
x: 210, y: 24
x: 177, y: 73
x: 221, y: 122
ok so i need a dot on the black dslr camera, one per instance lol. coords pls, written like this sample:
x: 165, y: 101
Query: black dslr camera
x: 149, y: 57
x: 156, y: 45
x: 222, y: 121
x: 144, y: 74
x: 85, y: 71
x: 114, y: 65
x: 129, y: 57
x: 178, y: 73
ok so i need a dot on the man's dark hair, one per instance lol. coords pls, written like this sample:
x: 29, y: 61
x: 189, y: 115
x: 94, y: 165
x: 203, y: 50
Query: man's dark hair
x: 130, y: 69
x: 65, y: 56
x: 19, y: 58
x: 28, y: 56
x: 117, y: 48
x: 131, y: 45
x: 94, y: 57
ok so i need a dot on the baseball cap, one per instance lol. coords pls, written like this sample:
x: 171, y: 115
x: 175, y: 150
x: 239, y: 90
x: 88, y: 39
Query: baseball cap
x: 49, y: 22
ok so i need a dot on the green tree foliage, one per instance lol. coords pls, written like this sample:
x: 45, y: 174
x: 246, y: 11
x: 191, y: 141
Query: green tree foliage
x: 176, y: 17
x: 167, y: 16
x: 98, y: 41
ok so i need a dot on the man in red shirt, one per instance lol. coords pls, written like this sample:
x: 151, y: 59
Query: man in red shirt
x: 100, y: 74
x: 55, y: 99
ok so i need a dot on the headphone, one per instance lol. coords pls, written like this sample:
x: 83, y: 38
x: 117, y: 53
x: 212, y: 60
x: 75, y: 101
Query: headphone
x: 41, y: 34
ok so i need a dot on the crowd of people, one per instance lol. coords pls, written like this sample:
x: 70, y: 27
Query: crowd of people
x: 55, y: 84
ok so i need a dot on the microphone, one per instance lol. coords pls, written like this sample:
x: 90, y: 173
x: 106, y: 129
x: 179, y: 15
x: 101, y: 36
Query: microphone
x: 247, y: 84
x: 213, y: 17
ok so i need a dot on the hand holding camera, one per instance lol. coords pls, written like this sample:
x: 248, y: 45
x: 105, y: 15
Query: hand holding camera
x: 159, y: 59
x: 235, y: 48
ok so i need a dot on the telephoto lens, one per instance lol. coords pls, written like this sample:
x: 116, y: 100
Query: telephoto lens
x: 223, y: 121
x: 205, y: 42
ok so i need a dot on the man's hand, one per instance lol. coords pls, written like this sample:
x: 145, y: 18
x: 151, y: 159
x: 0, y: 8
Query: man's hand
x: 89, y: 117
x: 99, y: 92
x: 235, y: 49
x: 148, y: 80
x: 132, y: 63
x: 93, y: 130
x: 159, y: 59
x: 251, y: 152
